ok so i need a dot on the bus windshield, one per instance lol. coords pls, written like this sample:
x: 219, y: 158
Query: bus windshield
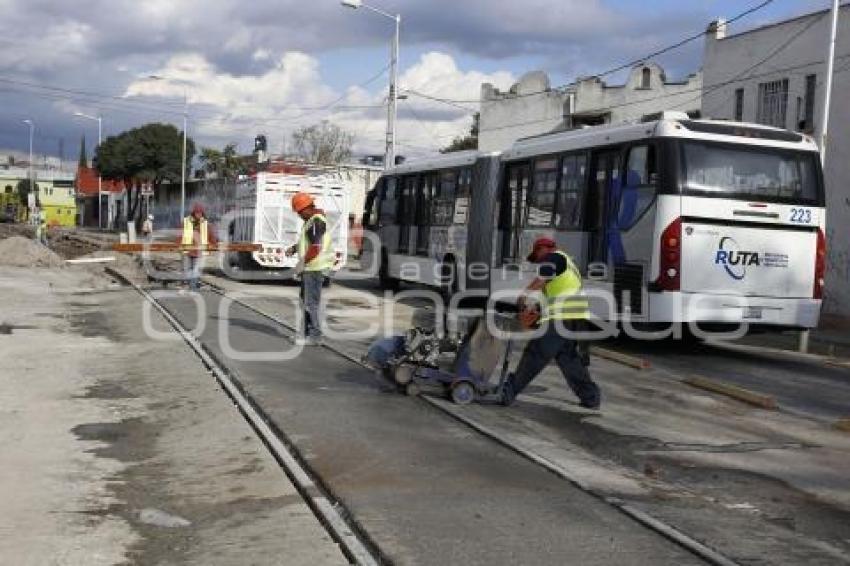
x: 751, y: 173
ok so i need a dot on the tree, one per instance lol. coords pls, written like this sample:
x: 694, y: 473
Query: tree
x: 24, y: 188
x: 469, y: 141
x: 151, y: 153
x: 324, y: 143
x: 84, y: 160
x: 223, y: 163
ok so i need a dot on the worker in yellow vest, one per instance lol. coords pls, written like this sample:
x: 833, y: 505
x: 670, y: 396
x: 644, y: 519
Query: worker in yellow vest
x: 315, y: 260
x: 197, y: 233
x: 564, y: 310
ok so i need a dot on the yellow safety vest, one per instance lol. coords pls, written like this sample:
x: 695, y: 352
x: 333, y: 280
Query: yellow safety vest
x: 189, y: 232
x: 325, y: 260
x: 563, y: 295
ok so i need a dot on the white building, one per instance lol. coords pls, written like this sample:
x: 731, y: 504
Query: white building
x: 775, y: 75
x: 531, y: 107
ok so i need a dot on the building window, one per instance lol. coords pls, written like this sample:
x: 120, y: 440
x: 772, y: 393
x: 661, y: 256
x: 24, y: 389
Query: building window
x: 809, y: 115
x: 739, y: 105
x: 646, y: 78
x: 773, y: 103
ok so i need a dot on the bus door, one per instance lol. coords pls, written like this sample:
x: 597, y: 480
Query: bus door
x: 406, y: 214
x: 424, y: 199
x: 604, y: 176
x: 512, y: 210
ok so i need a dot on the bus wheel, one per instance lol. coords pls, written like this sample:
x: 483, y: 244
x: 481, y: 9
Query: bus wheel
x: 449, y: 280
x: 386, y: 282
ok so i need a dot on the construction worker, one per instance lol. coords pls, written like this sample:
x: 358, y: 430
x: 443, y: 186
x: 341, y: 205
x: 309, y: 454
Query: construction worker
x: 197, y: 232
x: 147, y: 228
x: 560, y: 282
x: 315, y: 259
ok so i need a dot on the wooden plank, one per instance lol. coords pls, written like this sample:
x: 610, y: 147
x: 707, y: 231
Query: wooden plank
x: 732, y: 391
x: 173, y: 247
x: 621, y: 358
x: 842, y: 425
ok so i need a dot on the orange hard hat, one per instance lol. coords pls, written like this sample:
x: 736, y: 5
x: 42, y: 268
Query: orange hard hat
x: 300, y: 201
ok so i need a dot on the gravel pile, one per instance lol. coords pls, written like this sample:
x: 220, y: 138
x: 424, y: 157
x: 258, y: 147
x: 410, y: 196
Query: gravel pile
x: 23, y: 252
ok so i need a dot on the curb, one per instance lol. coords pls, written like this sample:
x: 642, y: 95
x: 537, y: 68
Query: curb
x: 733, y: 391
x: 621, y: 358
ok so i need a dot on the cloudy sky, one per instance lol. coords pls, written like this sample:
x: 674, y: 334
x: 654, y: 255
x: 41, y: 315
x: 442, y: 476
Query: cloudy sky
x: 269, y: 66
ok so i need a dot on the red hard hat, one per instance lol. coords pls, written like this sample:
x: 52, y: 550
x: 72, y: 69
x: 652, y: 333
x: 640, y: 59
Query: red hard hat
x: 300, y: 201
x: 539, y: 243
x: 198, y: 207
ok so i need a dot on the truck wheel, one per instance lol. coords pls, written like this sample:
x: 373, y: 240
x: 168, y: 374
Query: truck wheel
x: 463, y: 393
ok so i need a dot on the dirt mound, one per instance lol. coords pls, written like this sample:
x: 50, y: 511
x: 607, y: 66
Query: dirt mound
x: 22, y: 252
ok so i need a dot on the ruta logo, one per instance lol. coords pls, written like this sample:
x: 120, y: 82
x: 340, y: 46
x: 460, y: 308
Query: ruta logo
x: 734, y: 260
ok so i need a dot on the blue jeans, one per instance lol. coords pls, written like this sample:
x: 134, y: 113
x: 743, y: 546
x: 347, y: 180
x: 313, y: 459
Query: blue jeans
x: 537, y: 355
x: 311, y: 299
x: 192, y: 271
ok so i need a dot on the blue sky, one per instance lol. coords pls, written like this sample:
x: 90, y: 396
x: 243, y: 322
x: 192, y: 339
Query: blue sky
x: 258, y: 67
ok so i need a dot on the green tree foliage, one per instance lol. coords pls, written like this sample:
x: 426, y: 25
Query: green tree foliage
x: 224, y: 163
x: 469, y: 141
x: 151, y: 153
x: 324, y: 143
x: 84, y: 160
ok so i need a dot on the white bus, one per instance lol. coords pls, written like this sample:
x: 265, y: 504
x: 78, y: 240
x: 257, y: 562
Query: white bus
x: 262, y: 214
x: 679, y: 220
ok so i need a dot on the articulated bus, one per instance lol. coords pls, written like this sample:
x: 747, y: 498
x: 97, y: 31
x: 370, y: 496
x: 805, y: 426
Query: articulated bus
x: 677, y: 220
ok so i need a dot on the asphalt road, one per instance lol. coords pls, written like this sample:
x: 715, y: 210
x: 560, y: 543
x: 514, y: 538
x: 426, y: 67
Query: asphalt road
x: 803, y: 386
x: 426, y: 489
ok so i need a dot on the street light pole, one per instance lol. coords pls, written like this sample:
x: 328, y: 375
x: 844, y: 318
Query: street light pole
x: 30, y: 174
x: 183, y: 167
x: 99, y: 120
x: 392, y: 101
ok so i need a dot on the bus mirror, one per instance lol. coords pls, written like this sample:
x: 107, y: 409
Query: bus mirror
x: 597, y: 272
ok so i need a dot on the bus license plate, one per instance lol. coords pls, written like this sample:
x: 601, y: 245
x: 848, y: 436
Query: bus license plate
x: 752, y: 313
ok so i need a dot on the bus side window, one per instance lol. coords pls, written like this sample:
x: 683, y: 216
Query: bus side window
x: 388, y: 206
x: 640, y: 182
x: 571, y: 197
x: 464, y: 188
x: 444, y: 200
x: 541, y: 197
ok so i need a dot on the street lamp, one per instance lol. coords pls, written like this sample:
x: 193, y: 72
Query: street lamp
x: 31, y: 176
x: 99, y: 121
x: 389, y: 154
x: 185, y: 126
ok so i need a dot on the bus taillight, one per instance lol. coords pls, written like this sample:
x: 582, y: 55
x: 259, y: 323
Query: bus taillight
x: 670, y: 260
x: 820, y: 265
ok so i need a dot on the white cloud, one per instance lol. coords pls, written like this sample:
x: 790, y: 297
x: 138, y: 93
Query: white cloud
x: 292, y: 93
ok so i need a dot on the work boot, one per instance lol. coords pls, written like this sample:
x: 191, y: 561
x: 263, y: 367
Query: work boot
x: 592, y: 404
x: 507, y: 393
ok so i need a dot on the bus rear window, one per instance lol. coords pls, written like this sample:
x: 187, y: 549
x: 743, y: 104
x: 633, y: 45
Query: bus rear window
x: 751, y: 173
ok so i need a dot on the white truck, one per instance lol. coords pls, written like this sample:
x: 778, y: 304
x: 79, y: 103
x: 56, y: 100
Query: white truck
x: 262, y: 214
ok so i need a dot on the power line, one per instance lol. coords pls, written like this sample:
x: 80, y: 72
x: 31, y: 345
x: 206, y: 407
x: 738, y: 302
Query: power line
x: 621, y: 67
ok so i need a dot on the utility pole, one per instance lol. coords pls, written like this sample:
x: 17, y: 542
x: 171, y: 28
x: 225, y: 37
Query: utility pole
x: 824, y: 123
x: 183, y: 166
x: 392, y: 100
x: 99, y: 120
x: 31, y: 173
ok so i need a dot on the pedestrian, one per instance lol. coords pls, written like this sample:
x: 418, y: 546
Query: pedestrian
x: 315, y: 259
x: 147, y: 228
x: 197, y: 235
x: 41, y: 230
x: 564, y: 310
